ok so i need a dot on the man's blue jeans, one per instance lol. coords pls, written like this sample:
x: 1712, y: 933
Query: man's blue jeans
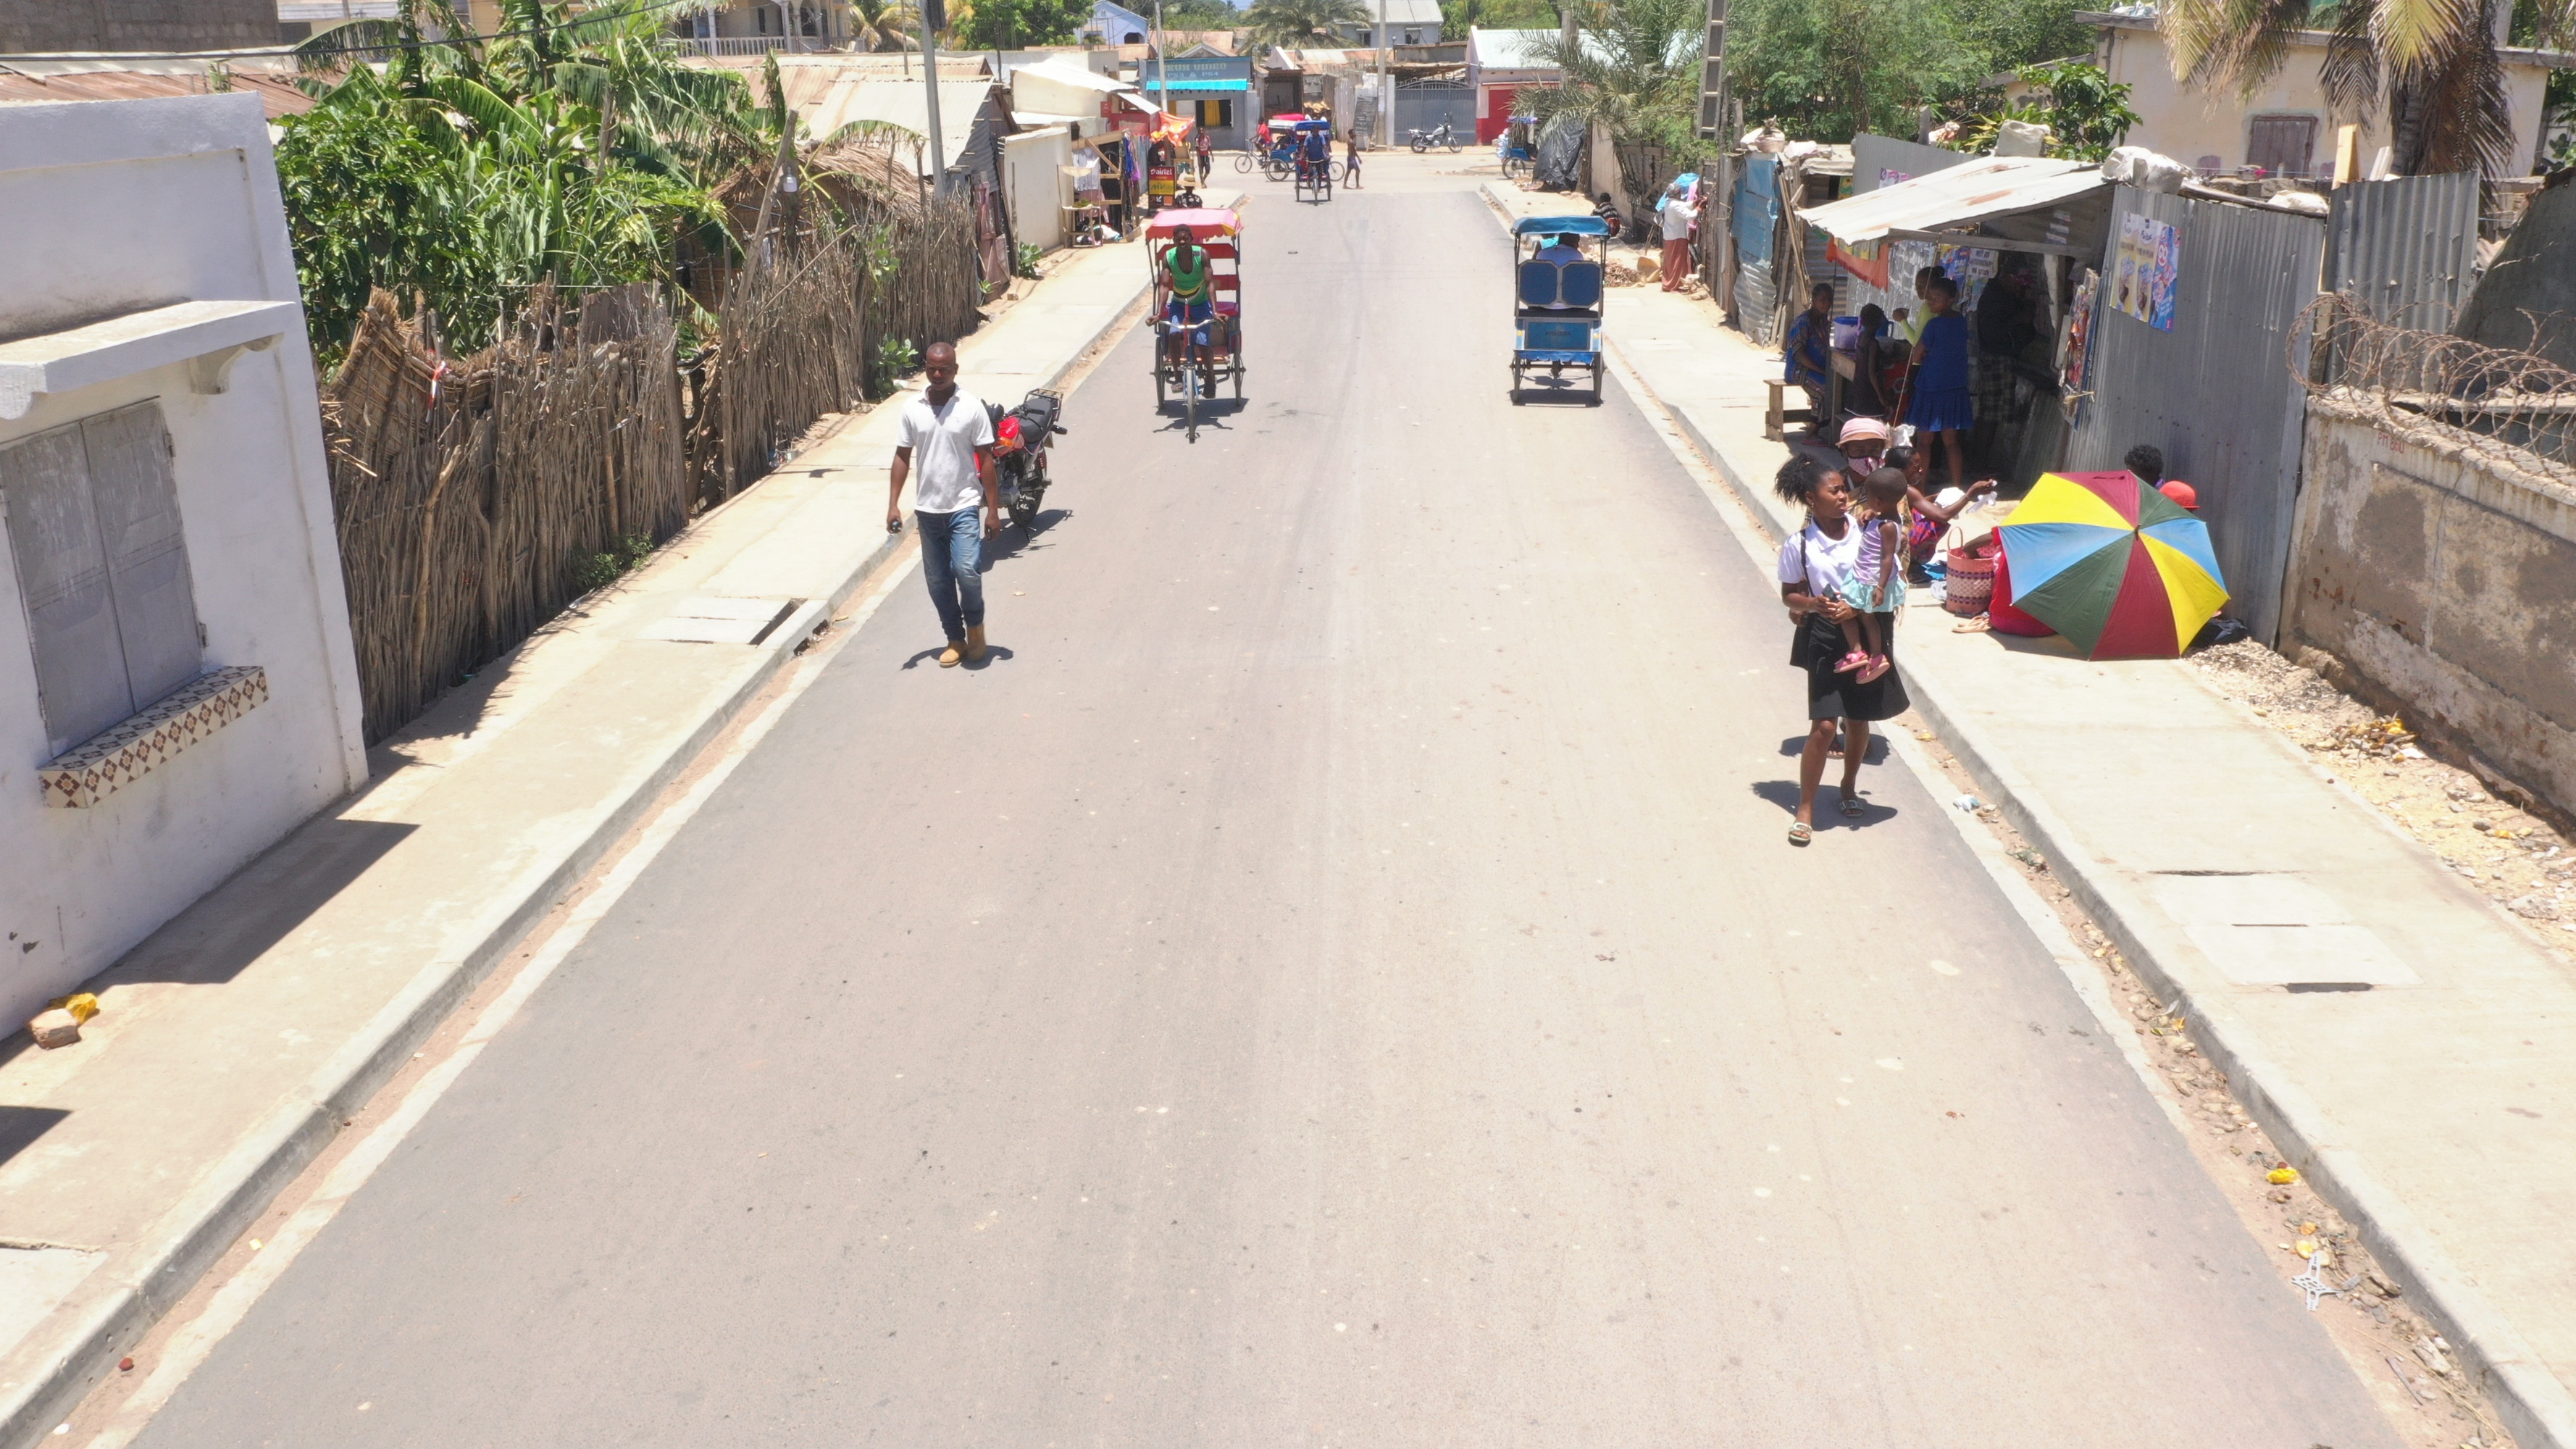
x: 952, y: 558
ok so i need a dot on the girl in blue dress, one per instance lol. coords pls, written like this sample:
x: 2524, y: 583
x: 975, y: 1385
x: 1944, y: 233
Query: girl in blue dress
x: 1940, y: 402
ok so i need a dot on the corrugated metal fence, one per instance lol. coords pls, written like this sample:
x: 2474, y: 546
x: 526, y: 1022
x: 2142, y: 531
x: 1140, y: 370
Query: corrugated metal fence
x: 1756, y: 215
x: 2216, y: 393
x: 2403, y: 248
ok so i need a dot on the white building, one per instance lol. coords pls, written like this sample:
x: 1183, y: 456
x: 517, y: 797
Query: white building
x: 1407, y: 22
x: 177, y: 684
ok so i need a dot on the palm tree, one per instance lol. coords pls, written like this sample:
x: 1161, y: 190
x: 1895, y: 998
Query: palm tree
x: 2433, y: 63
x: 884, y: 24
x: 1301, y: 24
x: 1633, y: 66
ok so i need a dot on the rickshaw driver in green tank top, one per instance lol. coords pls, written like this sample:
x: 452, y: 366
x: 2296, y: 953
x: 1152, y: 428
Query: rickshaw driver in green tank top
x: 1186, y: 270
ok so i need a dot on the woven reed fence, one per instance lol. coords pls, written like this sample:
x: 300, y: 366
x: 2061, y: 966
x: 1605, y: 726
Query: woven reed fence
x: 468, y: 493
x: 471, y: 492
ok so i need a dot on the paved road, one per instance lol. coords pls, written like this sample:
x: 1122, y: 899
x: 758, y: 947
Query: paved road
x: 1335, y: 979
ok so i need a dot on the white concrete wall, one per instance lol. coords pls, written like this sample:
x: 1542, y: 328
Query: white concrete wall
x: 115, y: 206
x: 1033, y: 165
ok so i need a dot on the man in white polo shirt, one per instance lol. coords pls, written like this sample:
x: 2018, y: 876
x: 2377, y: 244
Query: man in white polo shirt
x: 948, y: 432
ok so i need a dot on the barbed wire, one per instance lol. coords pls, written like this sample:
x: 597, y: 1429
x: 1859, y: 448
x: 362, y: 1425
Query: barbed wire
x: 2516, y: 408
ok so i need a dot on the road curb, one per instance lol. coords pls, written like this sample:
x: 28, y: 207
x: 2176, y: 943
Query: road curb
x: 2527, y: 1396
x: 201, y: 1228
x: 2538, y: 1409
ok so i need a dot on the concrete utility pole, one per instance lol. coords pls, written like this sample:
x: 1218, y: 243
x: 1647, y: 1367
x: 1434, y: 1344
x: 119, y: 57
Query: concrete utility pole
x: 1385, y: 95
x: 1162, y: 66
x: 933, y: 13
x: 1716, y: 211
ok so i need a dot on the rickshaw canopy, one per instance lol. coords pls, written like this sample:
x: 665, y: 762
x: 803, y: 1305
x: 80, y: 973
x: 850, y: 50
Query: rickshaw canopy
x: 1561, y: 226
x: 1203, y: 222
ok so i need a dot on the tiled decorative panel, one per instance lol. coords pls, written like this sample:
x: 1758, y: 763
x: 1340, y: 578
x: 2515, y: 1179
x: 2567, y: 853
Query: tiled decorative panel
x: 82, y: 777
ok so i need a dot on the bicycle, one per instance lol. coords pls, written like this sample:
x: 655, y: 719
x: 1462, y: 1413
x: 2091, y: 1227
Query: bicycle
x: 1244, y: 162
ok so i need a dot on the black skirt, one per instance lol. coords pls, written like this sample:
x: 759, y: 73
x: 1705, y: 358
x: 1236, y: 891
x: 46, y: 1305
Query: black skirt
x: 1818, y: 645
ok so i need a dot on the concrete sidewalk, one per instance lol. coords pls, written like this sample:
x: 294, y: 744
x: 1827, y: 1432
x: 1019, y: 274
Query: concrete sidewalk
x: 236, y: 1040
x: 2411, y: 1046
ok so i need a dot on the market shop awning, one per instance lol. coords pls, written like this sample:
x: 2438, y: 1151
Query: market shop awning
x: 2029, y: 202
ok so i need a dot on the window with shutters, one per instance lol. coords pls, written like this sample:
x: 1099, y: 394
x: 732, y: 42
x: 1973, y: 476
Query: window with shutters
x: 93, y: 519
x: 2282, y: 145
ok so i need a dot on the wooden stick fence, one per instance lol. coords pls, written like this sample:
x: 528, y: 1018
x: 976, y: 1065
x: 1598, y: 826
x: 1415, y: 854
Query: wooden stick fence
x: 470, y: 493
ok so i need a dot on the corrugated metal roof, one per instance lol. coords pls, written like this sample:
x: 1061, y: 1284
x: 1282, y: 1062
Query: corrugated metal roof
x: 1987, y: 186
x: 30, y: 81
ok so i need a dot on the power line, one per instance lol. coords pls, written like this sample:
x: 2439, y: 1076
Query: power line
x: 289, y: 52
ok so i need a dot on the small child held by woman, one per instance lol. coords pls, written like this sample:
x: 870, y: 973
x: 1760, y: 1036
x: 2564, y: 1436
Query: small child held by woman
x: 1877, y: 587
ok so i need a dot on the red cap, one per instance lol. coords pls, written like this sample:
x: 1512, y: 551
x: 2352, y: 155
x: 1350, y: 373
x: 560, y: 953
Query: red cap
x: 2181, y: 493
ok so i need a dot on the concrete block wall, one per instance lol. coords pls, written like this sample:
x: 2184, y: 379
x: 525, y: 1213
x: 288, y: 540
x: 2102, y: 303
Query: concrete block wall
x: 2440, y: 582
x: 41, y: 26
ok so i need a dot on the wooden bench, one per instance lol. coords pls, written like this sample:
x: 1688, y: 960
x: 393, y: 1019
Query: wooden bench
x: 1777, y: 417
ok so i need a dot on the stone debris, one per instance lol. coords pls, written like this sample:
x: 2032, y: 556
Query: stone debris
x: 54, y: 1028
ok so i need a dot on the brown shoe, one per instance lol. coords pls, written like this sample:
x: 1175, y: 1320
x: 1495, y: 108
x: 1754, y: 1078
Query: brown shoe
x: 949, y: 656
x: 974, y: 643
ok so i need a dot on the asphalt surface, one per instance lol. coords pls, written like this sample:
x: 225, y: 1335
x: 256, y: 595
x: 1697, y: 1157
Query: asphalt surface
x: 1336, y: 977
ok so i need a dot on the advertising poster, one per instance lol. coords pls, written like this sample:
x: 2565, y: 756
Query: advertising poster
x: 2160, y: 284
x: 2079, y: 333
x: 1971, y: 268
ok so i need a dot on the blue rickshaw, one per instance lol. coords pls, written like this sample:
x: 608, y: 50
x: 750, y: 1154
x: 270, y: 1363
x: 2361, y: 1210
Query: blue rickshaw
x: 1556, y: 299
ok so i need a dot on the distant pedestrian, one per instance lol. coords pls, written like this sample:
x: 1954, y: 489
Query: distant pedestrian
x: 1205, y: 147
x: 1940, y: 400
x: 1351, y: 167
x: 1678, y: 216
x: 945, y: 436
x: 1817, y: 565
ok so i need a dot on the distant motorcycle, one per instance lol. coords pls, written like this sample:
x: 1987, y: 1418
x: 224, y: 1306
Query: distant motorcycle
x: 1020, y: 439
x: 1441, y: 135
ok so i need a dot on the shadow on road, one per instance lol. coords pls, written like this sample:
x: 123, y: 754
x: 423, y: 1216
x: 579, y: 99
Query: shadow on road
x: 1829, y: 804
x: 1876, y: 755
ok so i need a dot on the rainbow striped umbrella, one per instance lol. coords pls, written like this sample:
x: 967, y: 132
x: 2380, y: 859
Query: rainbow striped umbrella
x: 2113, y: 565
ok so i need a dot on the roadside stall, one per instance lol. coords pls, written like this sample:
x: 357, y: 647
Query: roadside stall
x: 2017, y: 235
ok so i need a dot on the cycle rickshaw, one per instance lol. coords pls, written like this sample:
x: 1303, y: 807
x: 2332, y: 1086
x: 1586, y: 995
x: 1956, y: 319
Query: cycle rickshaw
x: 1556, y: 299
x: 1314, y: 172
x: 1192, y: 359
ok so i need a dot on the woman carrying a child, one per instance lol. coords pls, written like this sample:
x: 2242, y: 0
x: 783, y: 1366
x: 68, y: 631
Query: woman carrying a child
x: 1822, y: 573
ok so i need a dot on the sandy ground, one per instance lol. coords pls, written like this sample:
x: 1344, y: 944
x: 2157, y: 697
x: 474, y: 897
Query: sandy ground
x: 2515, y: 857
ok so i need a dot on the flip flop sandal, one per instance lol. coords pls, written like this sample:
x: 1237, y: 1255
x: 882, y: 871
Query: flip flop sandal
x: 1852, y: 808
x: 1800, y: 833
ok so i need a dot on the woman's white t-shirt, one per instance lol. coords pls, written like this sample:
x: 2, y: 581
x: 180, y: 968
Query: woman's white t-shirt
x: 1827, y: 565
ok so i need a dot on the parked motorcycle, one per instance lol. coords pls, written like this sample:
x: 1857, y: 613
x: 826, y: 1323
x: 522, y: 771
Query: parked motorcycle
x: 1441, y: 135
x: 1020, y: 439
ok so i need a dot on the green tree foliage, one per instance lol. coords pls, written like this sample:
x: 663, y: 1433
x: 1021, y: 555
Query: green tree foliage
x: 1014, y: 24
x: 1297, y: 24
x: 1457, y: 17
x: 1634, y: 69
x: 579, y: 152
x: 1827, y: 69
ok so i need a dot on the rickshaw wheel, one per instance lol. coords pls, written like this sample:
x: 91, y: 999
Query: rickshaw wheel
x: 1160, y: 396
